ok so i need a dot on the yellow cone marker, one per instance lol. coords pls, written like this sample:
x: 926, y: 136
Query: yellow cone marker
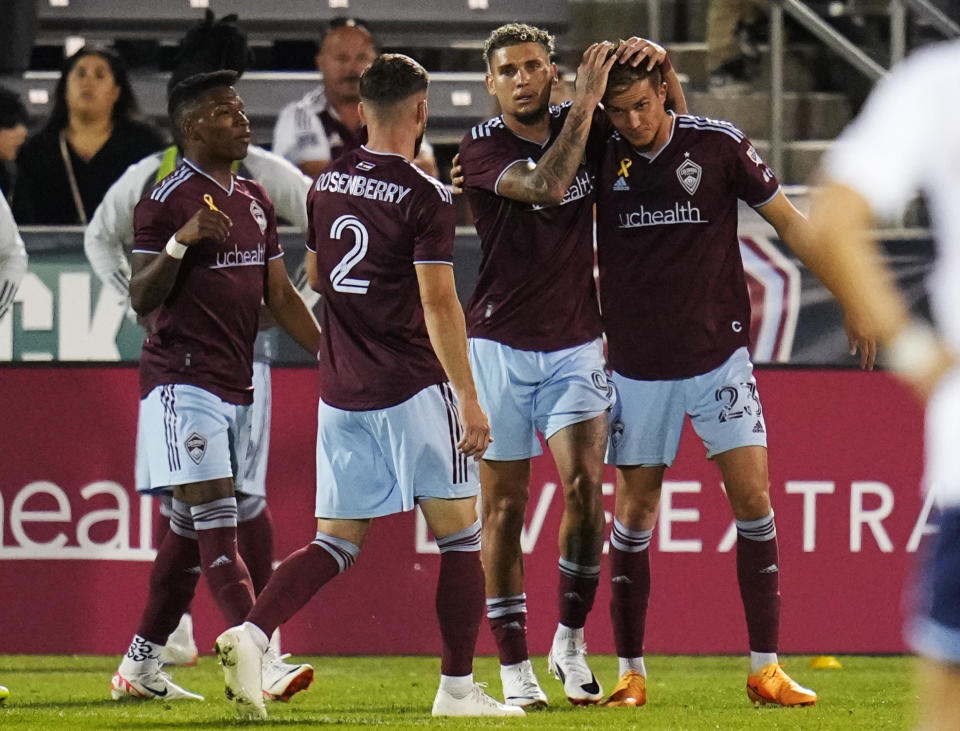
x: 825, y: 662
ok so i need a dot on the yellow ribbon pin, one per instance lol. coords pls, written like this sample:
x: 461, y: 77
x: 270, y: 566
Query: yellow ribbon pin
x: 208, y: 199
x: 625, y: 164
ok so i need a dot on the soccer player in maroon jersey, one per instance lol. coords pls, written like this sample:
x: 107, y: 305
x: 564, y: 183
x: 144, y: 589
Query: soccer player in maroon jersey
x: 535, y: 339
x: 398, y: 417
x: 206, y: 255
x: 676, y: 314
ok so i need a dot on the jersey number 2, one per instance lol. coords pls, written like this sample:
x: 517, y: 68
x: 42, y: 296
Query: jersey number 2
x: 341, y: 282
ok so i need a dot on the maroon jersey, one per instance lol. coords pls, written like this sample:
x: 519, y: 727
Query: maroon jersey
x: 202, y: 335
x: 672, y: 288
x: 372, y: 217
x: 535, y: 290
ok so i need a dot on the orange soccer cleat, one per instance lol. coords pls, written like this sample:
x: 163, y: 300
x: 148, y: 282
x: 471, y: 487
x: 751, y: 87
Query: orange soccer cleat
x: 771, y: 685
x: 631, y: 690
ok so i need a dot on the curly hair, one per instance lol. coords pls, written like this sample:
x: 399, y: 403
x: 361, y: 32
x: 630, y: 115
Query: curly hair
x: 513, y: 34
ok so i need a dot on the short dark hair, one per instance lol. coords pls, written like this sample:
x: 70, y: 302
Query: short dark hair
x: 392, y: 77
x: 622, y: 76
x: 188, y: 92
x: 513, y: 34
x: 13, y: 112
x: 343, y: 21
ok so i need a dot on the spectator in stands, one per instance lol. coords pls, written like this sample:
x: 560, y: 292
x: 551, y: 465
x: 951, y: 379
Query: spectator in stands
x: 733, y: 27
x: 921, y: 146
x: 325, y: 123
x: 13, y: 132
x: 89, y: 139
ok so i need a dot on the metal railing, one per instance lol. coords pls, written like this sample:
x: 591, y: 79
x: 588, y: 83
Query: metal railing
x: 839, y: 44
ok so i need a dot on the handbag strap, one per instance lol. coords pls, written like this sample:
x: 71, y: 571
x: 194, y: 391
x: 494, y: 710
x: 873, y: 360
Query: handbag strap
x: 72, y: 179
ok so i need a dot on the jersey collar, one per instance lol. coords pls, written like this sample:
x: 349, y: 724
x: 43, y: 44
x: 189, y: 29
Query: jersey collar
x: 196, y: 168
x: 651, y: 156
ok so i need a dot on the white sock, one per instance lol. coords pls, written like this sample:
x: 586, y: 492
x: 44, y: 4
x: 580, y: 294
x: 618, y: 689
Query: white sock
x: 567, y: 634
x: 632, y: 663
x: 141, y: 655
x: 459, y: 686
x: 275, y: 641
x: 183, y: 634
x: 260, y: 638
x: 761, y: 659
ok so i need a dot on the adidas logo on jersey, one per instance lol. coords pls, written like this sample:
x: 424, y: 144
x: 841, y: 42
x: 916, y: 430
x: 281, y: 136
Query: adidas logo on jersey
x: 758, y: 427
x: 621, y: 184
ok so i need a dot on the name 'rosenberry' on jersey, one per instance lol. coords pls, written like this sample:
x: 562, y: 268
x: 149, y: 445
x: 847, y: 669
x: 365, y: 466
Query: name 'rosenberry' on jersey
x: 373, y: 217
x: 667, y: 234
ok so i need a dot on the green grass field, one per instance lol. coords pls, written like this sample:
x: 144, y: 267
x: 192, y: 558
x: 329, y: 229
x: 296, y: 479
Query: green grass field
x: 71, y: 692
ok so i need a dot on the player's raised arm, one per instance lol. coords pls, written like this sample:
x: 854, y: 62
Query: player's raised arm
x: 154, y: 275
x: 547, y: 181
x: 448, y: 336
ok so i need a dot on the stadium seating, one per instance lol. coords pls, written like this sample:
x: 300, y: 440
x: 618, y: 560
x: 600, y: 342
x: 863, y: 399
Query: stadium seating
x: 456, y: 100
x: 426, y: 23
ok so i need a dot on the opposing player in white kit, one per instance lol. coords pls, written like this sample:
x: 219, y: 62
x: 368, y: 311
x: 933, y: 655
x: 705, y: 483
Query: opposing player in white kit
x: 893, y: 150
x: 676, y: 314
x: 13, y: 257
x: 398, y: 417
x: 206, y: 254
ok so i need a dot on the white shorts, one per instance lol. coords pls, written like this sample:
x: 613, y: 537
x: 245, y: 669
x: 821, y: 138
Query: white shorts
x: 185, y: 435
x: 253, y: 468
x: 723, y: 405
x: 526, y: 391
x: 381, y: 462
x: 942, y: 426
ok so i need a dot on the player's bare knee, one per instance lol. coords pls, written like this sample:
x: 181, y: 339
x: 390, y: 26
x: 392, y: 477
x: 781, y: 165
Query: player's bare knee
x: 503, y: 514
x: 750, y: 504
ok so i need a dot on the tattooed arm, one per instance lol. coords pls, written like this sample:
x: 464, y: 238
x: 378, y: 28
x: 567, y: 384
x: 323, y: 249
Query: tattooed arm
x: 547, y: 181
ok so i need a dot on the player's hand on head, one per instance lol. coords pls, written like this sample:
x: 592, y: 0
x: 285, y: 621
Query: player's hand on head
x: 456, y: 175
x: 596, y: 63
x: 636, y: 50
x: 205, y: 225
x: 476, y: 429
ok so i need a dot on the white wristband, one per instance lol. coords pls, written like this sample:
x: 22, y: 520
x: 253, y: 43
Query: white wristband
x: 914, y: 350
x: 174, y: 248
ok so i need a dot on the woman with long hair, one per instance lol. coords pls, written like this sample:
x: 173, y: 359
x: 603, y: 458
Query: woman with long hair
x: 92, y: 134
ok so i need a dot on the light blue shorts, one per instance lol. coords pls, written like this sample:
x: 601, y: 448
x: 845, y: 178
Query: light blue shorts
x: 526, y: 391
x: 185, y: 435
x: 723, y: 405
x: 381, y: 462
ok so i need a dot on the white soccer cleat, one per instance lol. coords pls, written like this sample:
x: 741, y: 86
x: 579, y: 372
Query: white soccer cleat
x: 153, y: 685
x: 568, y: 662
x: 181, y: 649
x: 283, y: 680
x: 475, y: 703
x: 241, y: 661
x: 521, y: 687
